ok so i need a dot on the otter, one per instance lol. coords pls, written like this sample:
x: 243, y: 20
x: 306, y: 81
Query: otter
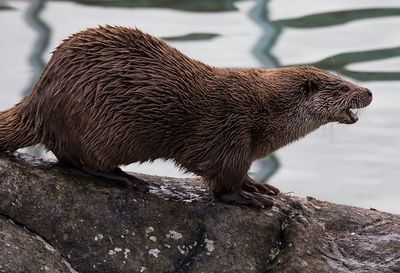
x: 111, y: 96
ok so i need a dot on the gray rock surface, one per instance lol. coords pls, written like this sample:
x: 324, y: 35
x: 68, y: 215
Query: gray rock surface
x: 23, y: 251
x: 55, y: 219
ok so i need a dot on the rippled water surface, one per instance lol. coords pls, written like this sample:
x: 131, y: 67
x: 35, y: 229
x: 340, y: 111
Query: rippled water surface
x: 359, y: 39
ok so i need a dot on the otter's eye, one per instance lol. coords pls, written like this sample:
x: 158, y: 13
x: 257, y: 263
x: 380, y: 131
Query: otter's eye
x: 344, y: 89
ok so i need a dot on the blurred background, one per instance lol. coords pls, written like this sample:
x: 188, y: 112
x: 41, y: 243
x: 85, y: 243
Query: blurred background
x: 358, y: 39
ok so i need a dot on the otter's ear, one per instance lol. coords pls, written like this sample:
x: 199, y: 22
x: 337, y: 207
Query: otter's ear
x: 311, y: 86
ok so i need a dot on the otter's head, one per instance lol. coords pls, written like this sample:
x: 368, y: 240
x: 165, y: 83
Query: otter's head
x: 332, y: 98
x: 322, y: 97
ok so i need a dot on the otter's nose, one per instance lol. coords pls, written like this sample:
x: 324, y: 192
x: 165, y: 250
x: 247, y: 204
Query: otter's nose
x: 369, y: 93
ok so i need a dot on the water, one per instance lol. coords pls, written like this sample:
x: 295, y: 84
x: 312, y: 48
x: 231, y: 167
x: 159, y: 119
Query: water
x: 357, y: 165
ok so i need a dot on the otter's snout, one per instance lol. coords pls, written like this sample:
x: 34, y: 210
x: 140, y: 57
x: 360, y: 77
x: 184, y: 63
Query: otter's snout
x: 362, y: 97
x: 359, y: 98
x: 366, y: 97
x: 369, y: 93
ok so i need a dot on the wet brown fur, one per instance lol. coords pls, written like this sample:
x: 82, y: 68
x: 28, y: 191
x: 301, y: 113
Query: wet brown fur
x: 111, y: 96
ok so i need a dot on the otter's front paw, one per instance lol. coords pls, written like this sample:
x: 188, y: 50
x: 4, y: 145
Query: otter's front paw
x: 246, y: 198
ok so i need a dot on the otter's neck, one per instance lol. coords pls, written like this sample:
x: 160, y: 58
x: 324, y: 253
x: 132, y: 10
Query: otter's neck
x: 280, y: 117
x: 278, y: 131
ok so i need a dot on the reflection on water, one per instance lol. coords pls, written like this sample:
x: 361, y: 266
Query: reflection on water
x: 337, y: 17
x: 192, y: 5
x: 270, y: 32
x: 358, y: 39
x: 32, y: 16
x: 192, y: 37
x: 339, y: 62
x: 5, y: 7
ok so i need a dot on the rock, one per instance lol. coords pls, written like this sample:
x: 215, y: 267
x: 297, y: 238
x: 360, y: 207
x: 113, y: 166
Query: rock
x: 23, y: 251
x: 76, y: 222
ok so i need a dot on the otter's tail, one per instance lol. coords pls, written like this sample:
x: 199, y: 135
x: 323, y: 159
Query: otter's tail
x: 16, y: 131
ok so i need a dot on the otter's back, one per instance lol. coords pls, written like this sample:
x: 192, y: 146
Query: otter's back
x: 107, y: 89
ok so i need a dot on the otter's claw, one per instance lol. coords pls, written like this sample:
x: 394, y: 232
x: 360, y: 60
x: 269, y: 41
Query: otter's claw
x: 251, y: 186
x: 247, y: 199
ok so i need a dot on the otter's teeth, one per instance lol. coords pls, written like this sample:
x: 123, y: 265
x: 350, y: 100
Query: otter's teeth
x: 353, y: 116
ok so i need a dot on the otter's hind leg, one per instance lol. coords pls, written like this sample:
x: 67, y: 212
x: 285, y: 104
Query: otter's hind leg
x: 119, y: 176
x: 116, y: 175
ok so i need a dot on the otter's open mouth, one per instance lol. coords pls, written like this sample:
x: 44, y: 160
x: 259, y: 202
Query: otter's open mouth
x: 347, y: 116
